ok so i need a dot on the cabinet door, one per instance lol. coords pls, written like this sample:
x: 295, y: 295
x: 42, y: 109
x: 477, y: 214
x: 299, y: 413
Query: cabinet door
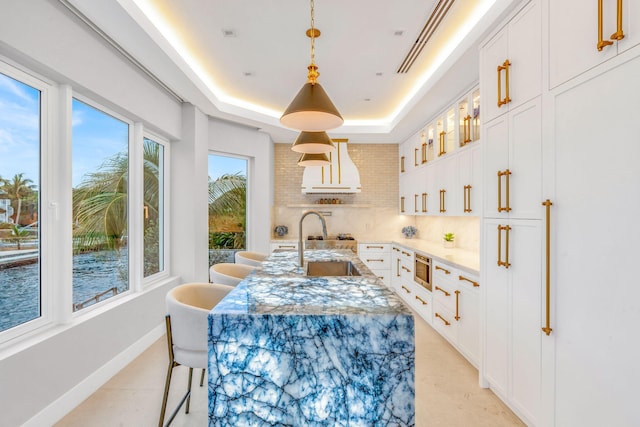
x: 445, y: 200
x: 525, y: 55
x: 525, y: 161
x: 495, y: 280
x: 469, y: 191
x: 492, y: 55
x: 495, y: 159
x: 596, y: 303
x: 469, y: 322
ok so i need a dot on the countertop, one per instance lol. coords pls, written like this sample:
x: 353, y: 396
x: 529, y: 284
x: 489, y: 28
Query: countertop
x: 287, y: 349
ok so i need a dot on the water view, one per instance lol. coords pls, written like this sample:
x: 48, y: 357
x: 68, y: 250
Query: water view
x: 93, y: 273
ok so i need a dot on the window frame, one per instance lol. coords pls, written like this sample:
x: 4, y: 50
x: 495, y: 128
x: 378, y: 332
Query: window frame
x: 166, y: 214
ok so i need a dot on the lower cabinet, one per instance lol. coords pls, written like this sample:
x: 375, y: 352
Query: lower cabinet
x: 377, y: 257
x: 456, y: 309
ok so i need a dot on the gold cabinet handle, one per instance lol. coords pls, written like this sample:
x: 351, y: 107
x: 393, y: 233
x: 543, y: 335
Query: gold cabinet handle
x: 443, y: 269
x: 442, y: 200
x: 402, y: 204
x: 381, y: 278
x: 475, y: 284
x: 602, y: 43
x: 506, y: 173
x: 446, y: 294
x: 467, y: 198
x: 415, y: 157
x: 424, y: 153
x: 504, y: 263
x: 396, y: 249
x: 619, y: 34
x: 421, y: 300
x: 406, y: 269
x: 402, y: 164
x: 415, y: 202
x: 466, y: 127
x: 446, y: 322
x: 442, y: 150
x: 406, y: 253
x: 397, y: 267
x: 406, y: 290
x: 375, y: 260
x: 286, y: 247
x: 457, y: 316
x: 505, y: 66
x: 375, y: 247
x: 547, y: 329
x: 424, y: 202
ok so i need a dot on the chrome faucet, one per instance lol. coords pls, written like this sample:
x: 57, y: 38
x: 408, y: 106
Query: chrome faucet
x: 300, y: 242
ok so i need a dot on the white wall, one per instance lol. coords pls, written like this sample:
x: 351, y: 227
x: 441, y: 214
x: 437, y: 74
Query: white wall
x: 45, y: 376
x: 225, y: 137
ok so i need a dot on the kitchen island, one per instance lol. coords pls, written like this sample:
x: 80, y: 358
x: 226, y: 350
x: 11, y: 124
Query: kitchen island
x: 288, y: 349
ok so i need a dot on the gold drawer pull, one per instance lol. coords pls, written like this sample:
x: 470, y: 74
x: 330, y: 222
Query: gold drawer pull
x: 504, y: 263
x: 421, y: 300
x: 375, y: 260
x: 475, y: 284
x: 446, y: 322
x: 402, y: 164
x: 402, y: 204
x: 457, y: 316
x: 406, y: 269
x: 396, y: 249
x: 443, y: 269
x: 505, y: 66
x: 447, y: 294
x: 406, y: 253
x: 398, y: 267
x: 406, y: 290
x: 286, y: 247
x: 547, y: 329
x: 506, y: 173
x: 374, y: 247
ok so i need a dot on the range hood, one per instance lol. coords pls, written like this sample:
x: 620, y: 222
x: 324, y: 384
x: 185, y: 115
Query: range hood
x: 341, y: 176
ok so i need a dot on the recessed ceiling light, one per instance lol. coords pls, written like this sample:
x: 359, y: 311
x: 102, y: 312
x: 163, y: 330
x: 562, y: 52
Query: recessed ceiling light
x: 248, y: 74
x: 398, y: 33
x: 378, y: 74
x: 228, y: 33
x: 367, y: 99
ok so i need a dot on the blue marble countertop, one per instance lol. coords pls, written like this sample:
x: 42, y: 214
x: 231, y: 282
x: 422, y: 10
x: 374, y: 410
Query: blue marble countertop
x: 291, y: 350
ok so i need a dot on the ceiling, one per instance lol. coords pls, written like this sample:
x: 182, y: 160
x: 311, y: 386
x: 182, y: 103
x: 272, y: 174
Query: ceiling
x: 244, y: 60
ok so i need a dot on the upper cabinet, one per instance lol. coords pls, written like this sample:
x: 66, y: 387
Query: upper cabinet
x: 598, y: 30
x: 511, y: 66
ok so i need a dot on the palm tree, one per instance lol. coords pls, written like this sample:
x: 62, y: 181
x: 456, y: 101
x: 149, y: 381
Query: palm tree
x: 18, y: 234
x: 18, y: 188
x: 227, y: 198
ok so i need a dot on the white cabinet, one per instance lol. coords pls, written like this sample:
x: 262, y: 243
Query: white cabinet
x: 593, y: 348
x: 377, y: 257
x: 284, y: 245
x: 456, y: 309
x: 511, y: 64
x: 469, y: 185
x: 512, y: 163
x: 512, y: 310
x: 574, y: 45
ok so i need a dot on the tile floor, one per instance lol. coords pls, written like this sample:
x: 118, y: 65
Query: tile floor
x: 447, y: 392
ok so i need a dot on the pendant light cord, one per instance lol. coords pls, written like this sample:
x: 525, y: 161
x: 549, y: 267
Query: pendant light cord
x: 313, y: 68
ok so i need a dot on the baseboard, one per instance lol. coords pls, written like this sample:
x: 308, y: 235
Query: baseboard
x: 67, y: 402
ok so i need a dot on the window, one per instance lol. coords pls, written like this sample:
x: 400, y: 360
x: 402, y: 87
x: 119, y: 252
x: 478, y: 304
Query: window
x: 20, y: 135
x: 227, y: 207
x: 153, y: 208
x: 100, y: 166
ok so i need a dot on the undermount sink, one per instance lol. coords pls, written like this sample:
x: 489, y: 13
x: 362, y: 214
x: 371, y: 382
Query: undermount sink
x: 331, y: 268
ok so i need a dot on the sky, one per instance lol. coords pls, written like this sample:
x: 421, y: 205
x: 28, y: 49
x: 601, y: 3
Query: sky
x: 96, y: 136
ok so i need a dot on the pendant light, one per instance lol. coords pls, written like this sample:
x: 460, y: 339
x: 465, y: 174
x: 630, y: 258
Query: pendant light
x: 311, y: 109
x: 313, y: 143
x: 317, y: 159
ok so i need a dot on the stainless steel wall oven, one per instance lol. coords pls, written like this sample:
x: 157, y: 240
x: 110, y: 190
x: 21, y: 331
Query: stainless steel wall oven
x: 422, y: 271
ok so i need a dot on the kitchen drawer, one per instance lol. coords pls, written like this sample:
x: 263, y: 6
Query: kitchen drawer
x: 292, y: 246
x: 443, y: 273
x: 444, y: 322
x: 421, y: 301
x: 374, y: 248
x: 384, y: 275
x: 376, y: 260
x: 444, y: 293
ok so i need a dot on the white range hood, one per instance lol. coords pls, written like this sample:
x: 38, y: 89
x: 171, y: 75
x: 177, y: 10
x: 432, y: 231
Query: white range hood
x: 341, y: 176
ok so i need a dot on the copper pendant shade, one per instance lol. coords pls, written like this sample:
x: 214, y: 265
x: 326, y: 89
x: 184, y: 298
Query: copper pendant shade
x: 320, y: 159
x: 312, y: 110
x: 313, y: 143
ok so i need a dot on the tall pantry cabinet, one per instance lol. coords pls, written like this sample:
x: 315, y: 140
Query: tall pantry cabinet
x: 561, y: 301
x: 511, y: 83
